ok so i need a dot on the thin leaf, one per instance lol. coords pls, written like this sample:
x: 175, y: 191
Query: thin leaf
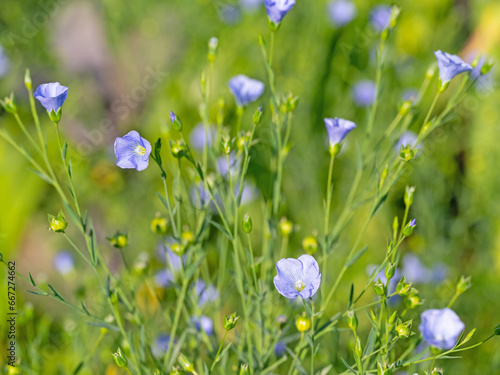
x: 56, y: 294
x: 31, y: 279
x: 64, y: 151
x: 355, y: 257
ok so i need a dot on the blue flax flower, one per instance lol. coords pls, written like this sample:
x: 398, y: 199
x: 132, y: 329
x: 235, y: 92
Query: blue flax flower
x: 164, y: 278
x: 277, y: 9
x: 4, y: 62
x: 205, y: 293
x: 203, y: 322
x: 197, y: 136
x: 441, y: 328
x: 341, y: 12
x: 450, y: 66
x: 51, y: 95
x: 380, y: 17
x: 64, y: 262
x: 245, y: 90
x: 132, y: 151
x: 297, y: 277
x: 160, y: 346
x: 364, y: 93
x: 337, y: 129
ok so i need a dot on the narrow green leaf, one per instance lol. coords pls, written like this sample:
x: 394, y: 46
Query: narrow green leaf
x: 64, y: 150
x: 31, y: 279
x: 104, y: 325
x: 355, y: 257
x: 84, y: 308
x: 38, y: 293
x: 222, y: 229
x: 56, y: 294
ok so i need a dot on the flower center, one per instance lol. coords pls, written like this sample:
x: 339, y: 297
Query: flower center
x: 299, y: 285
x: 139, y: 150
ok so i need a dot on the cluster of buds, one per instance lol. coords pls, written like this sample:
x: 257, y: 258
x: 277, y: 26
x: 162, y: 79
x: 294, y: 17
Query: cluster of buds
x: 225, y: 144
x: 9, y: 104
x: 404, y: 329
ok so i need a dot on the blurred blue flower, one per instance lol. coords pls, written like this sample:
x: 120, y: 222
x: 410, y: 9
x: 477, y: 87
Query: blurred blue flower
x: 297, y: 277
x: 160, y: 346
x: 245, y: 90
x: 415, y: 271
x: 197, y: 136
x: 341, y: 12
x: 64, y: 262
x: 279, y: 349
x: 51, y: 95
x: 199, y: 196
x: 410, y: 94
x: 441, y: 328
x: 250, y: 5
x: 450, y: 66
x: 277, y: 9
x: 223, y: 167
x: 164, y: 278
x: 168, y: 257
x: 408, y: 138
x: 248, y: 194
x: 205, y: 294
x: 380, y: 17
x: 229, y: 14
x: 4, y: 62
x: 132, y: 151
x: 364, y: 93
x: 337, y: 129
x: 203, y: 322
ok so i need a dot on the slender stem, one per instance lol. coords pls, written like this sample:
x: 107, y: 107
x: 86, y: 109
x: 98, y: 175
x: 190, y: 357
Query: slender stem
x: 297, y: 351
x: 169, y: 207
x: 216, y: 359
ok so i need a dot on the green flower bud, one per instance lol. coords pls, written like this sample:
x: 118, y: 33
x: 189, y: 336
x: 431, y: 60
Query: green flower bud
x: 408, y: 230
x: 55, y: 117
x: 390, y: 270
x: 404, y: 329
x: 247, y: 223
x: 212, y: 49
x: 382, y: 369
x: 120, y: 359
x: 178, y: 148
x: 488, y: 64
x: 178, y: 248
x: 436, y: 372
x: 412, y: 301
x: 408, y: 197
x: 9, y: 104
x: 185, y: 364
x: 407, y: 153
x: 244, y: 369
x: 429, y: 74
x: 303, y: 323
x: 463, y: 284
x: 187, y: 238
x: 57, y: 223
x: 119, y: 240
x: 176, y: 371
x: 403, y: 288
x: 257, y: 116
x: 358, y: 348
x: 394, y: 16
x: 225, y: 144
x: 395, y: 225
x: 310, y: 244
x: 379, y: 288
x: 286, y: 227
x: 159, y: 225
x: 352, y: 320
x: 230, y: 321
x: 496, y: 330
x: 291, y: 102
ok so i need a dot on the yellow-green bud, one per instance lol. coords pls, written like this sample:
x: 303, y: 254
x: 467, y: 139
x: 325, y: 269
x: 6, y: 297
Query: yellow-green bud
x: 488, y: 64
x: 176, y: 371
x: 394, y: 16
x: 310, y: 244
x: 244, y: 369
x: 404, y: 330
x: 27, y: 80
x: 177, y: 148
x: 178, y: 248
x: 436, y: 372
x: 286, y: 227
x: 119, y: 240
x: 403, y: 288
x: 247, y: 223
x: 57, y: 223
x: 120, y: 359
x: 184, y: 362
x: 463, y: 284
x: 412, y: 301
x: 187, y: 237
x: 303, y: 323
x: 352, y: 320
x: 408, y: 198
x: 212, y: 49
x: 291, y: 102
x: 230, y: 321
x: 405, y: 107
x: 159, y: 225
x: 429, y: 74
x: 390, y: 270
x: 358, y: 348
x: 9, y: 104
x: 225, y: 144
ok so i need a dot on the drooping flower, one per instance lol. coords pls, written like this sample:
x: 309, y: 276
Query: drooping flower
x: 245, y: 90
x: 197, y: 136
x: 450, y: 66
x: 441, y: 328
x: 64, y: 262
x: 297, y: 277
x: 364, y: 93
x: 277, y: 9
x: 132, y: 151
x: 380, y: 17
x: 203, y: 322
x: 205, y: 293
x: 51, y: 95
x: 341, y: 12
x: 337, y: 129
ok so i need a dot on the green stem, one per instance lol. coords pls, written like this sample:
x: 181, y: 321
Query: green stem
x: 216, y: 359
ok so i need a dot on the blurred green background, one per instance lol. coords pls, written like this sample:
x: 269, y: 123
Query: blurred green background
x: 127, y: 64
